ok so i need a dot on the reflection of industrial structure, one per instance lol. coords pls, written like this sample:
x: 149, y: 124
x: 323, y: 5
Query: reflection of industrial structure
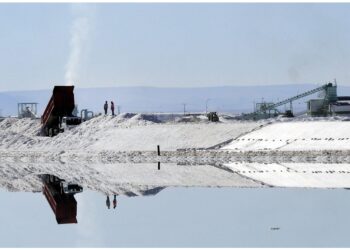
x: 60, y: 196
x: 27, y: 109
x: 328, y: 103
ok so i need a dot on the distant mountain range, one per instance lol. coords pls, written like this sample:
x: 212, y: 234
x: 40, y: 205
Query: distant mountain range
x: 232, y: 99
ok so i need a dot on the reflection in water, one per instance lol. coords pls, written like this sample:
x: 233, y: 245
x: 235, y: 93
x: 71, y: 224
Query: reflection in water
x: 267, y: 217
x: 60, y: 195
x: 115, y: 201
x: 305, y: 218
x: 108, y: 203
x: 119, y: 180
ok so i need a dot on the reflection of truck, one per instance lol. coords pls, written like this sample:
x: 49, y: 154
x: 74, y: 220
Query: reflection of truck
x: 60, y: 196
x: 59, y: 110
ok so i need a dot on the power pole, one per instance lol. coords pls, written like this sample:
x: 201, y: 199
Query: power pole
x: 206, y: 105
x: 184, y: 104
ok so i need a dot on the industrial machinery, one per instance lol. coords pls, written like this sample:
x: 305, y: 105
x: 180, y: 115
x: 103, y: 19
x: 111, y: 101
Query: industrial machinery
x: 288, y: 113
x: 213, y: 117
x: 27, y: 109
x: 341, y: 107
x: 328, y: 96
x: 86, y: 114
x: 60, y: 196
x: 58, y: 112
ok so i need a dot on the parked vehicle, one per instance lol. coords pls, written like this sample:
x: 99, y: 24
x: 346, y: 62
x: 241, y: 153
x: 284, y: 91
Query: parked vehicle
x: 58, y: 113
x: 213, y: 117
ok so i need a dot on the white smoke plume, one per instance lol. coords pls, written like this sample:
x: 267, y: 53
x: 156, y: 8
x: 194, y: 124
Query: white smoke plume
x: 80, y: 29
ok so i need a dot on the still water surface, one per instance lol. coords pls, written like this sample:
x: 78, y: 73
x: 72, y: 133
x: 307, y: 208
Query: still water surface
x: 183, y: 217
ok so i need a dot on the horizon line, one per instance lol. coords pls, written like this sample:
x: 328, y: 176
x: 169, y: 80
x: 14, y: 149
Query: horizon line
x: 170, y: 87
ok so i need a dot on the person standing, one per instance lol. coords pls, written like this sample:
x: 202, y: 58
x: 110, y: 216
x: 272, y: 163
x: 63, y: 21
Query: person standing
x: 112, y: 107
x: 105, y: 107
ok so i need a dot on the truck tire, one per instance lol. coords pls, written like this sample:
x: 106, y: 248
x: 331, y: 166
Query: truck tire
x: 46, y: 131
x: 51, y: 132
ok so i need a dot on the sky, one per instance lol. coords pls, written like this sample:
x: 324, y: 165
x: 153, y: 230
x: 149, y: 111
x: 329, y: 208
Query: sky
x: 170, y: 45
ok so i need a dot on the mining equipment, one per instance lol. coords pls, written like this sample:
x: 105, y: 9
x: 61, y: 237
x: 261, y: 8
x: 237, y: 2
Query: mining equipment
x: 27, y: 110
x: 288, y: 114
x: 328, y: 103
x: 86, y: 114
x: 213, y: 117
x: 60, y: 196
x: 58, y: 112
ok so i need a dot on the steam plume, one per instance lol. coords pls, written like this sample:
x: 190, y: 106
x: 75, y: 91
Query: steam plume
x: 79, y: 35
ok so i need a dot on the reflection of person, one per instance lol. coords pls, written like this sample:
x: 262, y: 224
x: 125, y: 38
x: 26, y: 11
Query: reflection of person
x: 115, y: 201
x: 108, y: 203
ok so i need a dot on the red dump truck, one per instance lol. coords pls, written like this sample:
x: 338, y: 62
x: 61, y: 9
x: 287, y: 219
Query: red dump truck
x: 58, y: 111
x: 61, y: 198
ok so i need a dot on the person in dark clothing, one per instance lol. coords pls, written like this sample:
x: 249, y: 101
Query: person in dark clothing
x: 108, y: 203
x: 105, y: 107
x: 115, y: 201
x: 112, y: 107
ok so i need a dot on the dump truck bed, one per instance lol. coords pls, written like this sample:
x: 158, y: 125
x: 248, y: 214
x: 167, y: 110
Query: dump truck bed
x: 64, y: 206
x: 61, y: 104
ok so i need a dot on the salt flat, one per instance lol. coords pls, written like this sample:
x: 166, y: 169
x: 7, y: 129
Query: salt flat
x: 306, y: 175
x: 118, y: 154
x: 296, y: 135
x: 122, y: 178
x: 120, y: 133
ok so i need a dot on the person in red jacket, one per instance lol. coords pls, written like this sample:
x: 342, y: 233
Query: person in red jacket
x: 112, y: 107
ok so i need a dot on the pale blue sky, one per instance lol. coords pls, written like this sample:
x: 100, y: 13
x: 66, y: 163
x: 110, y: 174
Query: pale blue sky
x: 169, y: 45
